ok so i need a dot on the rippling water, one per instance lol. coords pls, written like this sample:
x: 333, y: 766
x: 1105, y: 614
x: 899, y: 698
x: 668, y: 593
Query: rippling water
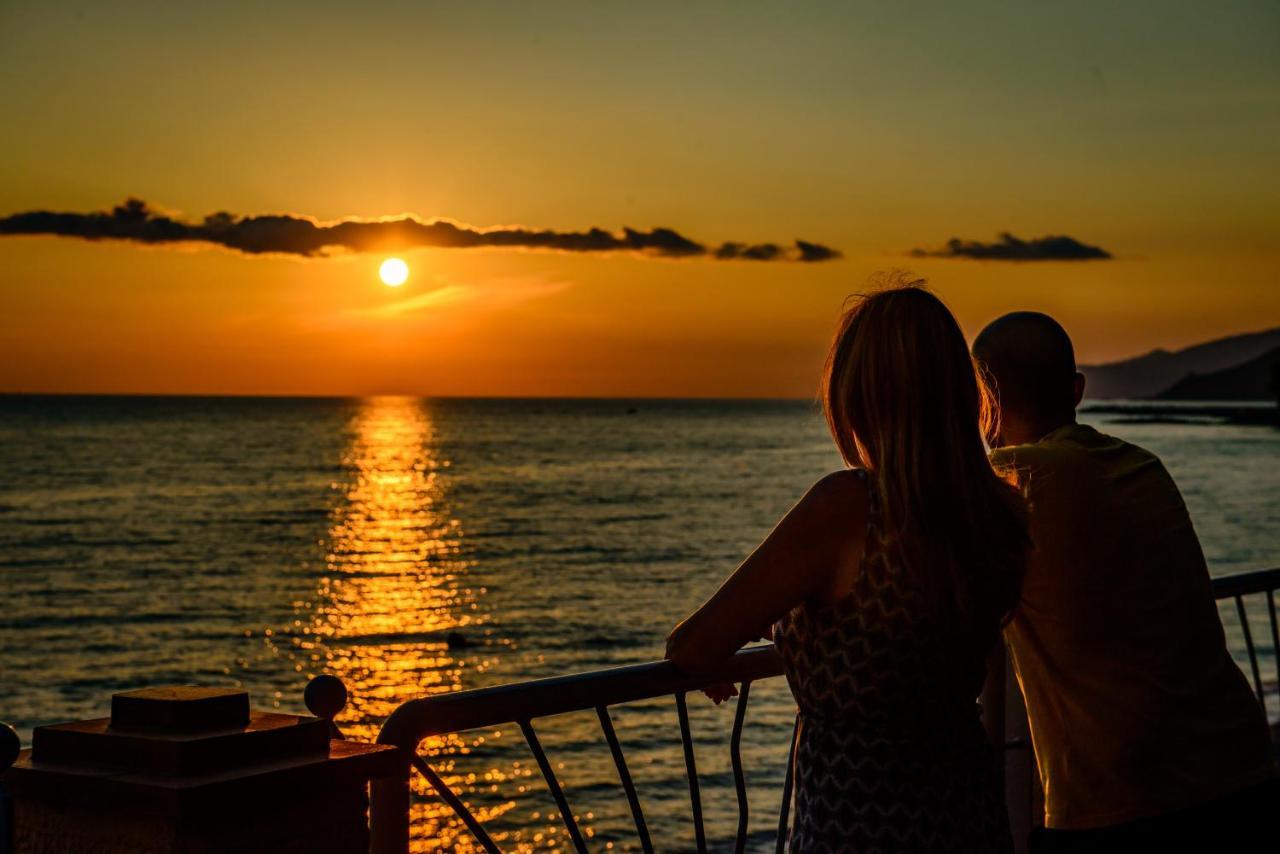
x: 418, y: 546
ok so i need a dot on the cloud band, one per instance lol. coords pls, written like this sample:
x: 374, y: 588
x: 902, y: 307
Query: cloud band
x: 1010, y: 248
x: 291, y: 234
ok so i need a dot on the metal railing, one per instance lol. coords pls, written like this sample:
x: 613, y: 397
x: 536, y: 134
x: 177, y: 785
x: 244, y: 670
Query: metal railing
x: 1237, y: 586
x: 523, y: 703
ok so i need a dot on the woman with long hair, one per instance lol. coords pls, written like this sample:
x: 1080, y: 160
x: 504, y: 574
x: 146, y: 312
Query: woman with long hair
x: 884, y: 589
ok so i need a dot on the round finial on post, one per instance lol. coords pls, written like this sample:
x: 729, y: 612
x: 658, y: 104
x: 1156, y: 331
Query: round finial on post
x: 10, y: 746
x: 325, y: 696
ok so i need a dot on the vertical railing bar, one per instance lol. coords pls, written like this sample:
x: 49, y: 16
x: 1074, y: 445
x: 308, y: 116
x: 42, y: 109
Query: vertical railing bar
x: 1253, y: 652
x: 642, y: 830
x: 787, y: 782
x: 1275, y: 634
x: 10, y: 750
x: 455, y: 803
x: 6, y: 823
x: 735, y: 757
x: 554, y: 785
x: 691, y: 766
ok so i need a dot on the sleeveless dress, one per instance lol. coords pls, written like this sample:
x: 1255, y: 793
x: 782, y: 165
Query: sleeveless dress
x: 891, y: 755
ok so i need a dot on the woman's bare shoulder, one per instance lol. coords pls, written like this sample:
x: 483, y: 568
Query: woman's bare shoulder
x: 840, y: 496
x: 834, y: 532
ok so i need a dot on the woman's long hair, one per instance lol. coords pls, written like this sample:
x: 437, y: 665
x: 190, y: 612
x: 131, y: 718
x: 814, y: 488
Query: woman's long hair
x: 905, y: 400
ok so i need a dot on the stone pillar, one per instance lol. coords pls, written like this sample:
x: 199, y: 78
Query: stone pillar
x: 194, y: 770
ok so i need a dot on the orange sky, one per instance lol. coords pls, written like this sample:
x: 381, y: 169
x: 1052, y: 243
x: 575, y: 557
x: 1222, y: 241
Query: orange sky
x: 1150, y: 131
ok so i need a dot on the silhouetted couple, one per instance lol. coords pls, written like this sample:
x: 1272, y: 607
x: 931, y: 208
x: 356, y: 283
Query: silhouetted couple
x: 887, y: 586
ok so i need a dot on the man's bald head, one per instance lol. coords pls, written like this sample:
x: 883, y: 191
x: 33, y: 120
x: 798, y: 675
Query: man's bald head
x: 1030, y: 358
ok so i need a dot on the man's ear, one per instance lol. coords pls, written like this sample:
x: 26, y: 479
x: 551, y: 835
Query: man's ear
x: 1079, y: 387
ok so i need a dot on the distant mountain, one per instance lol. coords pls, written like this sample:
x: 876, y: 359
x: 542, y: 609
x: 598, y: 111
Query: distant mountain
x: 1250, y: 381
x: 1147, y: 376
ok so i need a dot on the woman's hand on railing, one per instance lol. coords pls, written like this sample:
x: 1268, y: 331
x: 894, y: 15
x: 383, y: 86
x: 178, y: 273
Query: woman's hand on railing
x: 678, y: 653
x: 720, y: 691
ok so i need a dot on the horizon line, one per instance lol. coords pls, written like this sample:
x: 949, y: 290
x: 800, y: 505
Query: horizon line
x: 305, y: 396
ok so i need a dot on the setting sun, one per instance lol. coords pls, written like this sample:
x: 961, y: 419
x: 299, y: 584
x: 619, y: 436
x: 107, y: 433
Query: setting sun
x: 393, y: 272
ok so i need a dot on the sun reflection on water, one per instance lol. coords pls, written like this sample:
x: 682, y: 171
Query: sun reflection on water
x: 395, y: 617
x: 395, y: 593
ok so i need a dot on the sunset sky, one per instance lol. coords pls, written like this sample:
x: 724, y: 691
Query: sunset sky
x: 1148, y: 131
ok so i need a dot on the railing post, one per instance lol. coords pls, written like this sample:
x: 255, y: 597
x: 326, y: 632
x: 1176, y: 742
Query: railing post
x: 389, y: 814
x: 10, y: 747
x: 389, y: 822
x: 326, y: 697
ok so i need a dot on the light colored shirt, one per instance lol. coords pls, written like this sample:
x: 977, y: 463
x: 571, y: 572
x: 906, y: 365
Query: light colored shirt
x: 1135, y: 706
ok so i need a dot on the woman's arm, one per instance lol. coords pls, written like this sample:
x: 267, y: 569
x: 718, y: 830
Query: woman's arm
x: 817, y: 544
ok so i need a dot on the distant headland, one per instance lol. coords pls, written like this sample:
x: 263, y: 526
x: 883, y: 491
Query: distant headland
x: 1234, y: 368
x: 1230, y: 380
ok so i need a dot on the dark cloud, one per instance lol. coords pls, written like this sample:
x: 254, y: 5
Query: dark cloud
x: 1010, y: 248
x: 813, y: 252
x: 754, y: 252
x: 298, y: 235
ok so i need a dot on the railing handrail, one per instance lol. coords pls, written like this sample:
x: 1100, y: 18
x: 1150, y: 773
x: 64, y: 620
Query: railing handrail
x: 440, y: 714
x: 1244, y: 583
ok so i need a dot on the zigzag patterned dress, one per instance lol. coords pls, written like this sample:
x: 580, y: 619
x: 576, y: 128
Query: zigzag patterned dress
x: 891, y: 755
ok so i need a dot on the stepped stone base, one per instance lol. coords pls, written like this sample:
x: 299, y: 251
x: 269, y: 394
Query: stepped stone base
x: 193, y: 771
x: 334, y: 825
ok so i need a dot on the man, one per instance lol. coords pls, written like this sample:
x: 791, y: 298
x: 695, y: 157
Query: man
x: 1146, y: 733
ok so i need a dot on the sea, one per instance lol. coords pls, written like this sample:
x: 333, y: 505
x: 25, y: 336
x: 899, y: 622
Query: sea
x: 418, y: 546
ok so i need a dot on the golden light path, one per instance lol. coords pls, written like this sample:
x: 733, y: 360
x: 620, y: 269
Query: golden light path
x: 393, y: 591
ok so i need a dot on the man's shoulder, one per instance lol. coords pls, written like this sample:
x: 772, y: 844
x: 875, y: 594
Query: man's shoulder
x: 1080, y: 462
x: 1034, y: 455
x: 1068, y: 446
